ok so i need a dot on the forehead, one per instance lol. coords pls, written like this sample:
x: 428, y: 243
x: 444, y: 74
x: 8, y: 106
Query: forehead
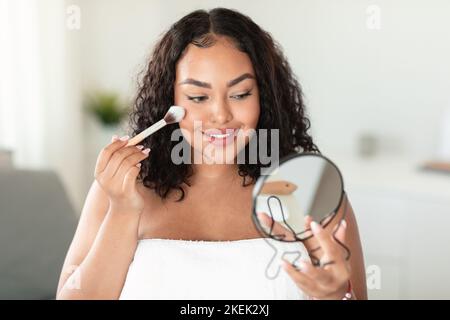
x: 220, y: 62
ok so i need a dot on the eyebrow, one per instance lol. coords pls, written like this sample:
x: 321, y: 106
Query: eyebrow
x: 208, y: 85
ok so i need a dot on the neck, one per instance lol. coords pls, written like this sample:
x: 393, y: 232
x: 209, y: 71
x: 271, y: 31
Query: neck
x: 215, y: 173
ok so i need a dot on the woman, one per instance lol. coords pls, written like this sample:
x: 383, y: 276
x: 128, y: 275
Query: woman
x: 153, y: 228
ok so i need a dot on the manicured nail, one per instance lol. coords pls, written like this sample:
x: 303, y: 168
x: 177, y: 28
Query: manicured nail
x: 286, y: 264
x: 315, y: 227
x: 140, y: 147
x: 263, y: 215
x: 139, y: 165
x: 302, y: 265
x: 146, y: 151
x: 124, y: 138
x: 114, y: 138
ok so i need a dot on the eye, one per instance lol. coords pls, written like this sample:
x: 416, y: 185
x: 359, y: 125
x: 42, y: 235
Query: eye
x: 197, y: 99
x: 241, y: 96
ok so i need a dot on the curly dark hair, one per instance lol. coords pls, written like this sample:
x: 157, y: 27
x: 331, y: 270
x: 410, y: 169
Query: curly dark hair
x: 281, y: 99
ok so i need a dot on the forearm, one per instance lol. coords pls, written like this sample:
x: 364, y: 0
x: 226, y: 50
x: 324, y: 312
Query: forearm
x: 102, y: 273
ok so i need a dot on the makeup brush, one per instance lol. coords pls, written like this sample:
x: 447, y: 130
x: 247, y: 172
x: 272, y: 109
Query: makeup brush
x: 174, y: 115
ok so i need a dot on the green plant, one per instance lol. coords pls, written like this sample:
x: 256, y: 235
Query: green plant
x: 106, y: 107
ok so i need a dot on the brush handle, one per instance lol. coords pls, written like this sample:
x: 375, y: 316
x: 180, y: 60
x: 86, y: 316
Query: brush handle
x: 147, y: 132
x: 280, y: 187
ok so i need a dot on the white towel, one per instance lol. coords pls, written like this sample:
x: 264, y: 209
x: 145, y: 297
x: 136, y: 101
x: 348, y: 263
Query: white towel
x: 184, y: 269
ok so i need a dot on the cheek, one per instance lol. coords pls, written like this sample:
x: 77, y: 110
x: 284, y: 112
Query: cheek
x: 188, y: 124
x: 192, y: 114
x: 248, y: 115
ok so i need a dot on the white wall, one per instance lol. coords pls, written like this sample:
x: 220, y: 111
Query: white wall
x: 392, y: 82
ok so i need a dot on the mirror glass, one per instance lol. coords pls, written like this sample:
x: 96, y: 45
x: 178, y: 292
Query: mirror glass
x: 304, y: 187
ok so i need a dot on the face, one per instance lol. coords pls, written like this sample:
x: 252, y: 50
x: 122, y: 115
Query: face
x: 218, y: 89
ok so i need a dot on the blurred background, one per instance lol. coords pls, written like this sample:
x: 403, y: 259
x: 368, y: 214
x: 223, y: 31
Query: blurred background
x: 376, y: 78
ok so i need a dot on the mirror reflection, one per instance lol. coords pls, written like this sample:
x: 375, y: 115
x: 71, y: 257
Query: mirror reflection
x: 304, y: 187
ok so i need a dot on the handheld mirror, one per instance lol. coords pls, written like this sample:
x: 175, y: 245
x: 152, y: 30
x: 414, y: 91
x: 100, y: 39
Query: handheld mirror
x: 304, y: 187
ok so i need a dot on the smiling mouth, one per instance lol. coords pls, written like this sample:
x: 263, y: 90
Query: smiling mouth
x: 221, y: 134
x: 221, y: 137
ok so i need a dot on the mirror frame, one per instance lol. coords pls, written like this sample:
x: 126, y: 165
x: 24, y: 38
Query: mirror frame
x: 262, y: 179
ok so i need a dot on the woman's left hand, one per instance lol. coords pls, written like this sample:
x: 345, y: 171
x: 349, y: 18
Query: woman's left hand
x: 329, y: 280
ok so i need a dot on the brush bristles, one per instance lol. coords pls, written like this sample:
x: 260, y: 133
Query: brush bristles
x: 175, y: 114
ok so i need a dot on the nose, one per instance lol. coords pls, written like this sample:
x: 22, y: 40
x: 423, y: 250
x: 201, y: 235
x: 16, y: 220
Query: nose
x: 220, y: 113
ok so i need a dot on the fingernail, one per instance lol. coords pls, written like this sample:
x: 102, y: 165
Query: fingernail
x: 114, y: 138
x: 263, y: 215
x: 315, y: 227
x: 146, y: 151
x: 139, y: 165
x: 124, y: 138
x: 140, y: 147
x: 302, y: 265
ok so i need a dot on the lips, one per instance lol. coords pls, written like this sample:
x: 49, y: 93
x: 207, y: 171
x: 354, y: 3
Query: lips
x: 221, y: 133
x: 220, y: 137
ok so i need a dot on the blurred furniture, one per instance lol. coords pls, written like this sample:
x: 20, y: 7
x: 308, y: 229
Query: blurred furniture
x: 37, y: 223
x: 403, y: 214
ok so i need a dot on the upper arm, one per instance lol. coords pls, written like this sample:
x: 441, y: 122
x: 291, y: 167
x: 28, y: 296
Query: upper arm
x: 92, y: 215
x: 353, y: 241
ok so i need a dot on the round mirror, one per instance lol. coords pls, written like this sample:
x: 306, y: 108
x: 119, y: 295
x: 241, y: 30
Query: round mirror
x: 304, y: 187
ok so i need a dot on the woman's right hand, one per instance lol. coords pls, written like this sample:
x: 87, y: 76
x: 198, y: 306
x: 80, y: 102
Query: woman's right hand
x: 116, y: 171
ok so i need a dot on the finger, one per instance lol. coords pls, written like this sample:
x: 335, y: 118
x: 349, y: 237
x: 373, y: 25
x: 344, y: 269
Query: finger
x: 129, y: 181
x: 131, y: 161
x: 326, y: 242
x: 340, y: 231
x: 317, y: 274
x: 117, y: 158
x: 304, y: 282
x: 307, y: 226
x: 326, y: 220
x: 276, y: 228
x: 339, y: 236
x: 107, y: 152
x: 308, y: 220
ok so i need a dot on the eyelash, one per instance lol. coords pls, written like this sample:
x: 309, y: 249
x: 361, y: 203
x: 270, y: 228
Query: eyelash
x: 199, y: 99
